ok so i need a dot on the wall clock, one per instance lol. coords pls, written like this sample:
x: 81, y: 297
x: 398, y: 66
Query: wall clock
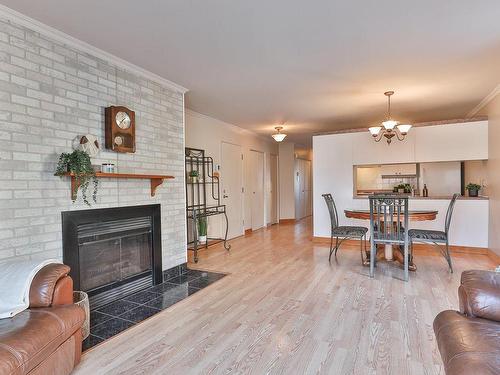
x: 120, y: 129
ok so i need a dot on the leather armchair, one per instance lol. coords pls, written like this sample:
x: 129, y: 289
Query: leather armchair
x: 469, y: 339
x: 46, y: 338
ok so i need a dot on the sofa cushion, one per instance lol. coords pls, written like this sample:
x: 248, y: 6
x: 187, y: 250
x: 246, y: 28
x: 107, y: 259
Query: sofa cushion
x: 31, y: 336
x: 479, y: 294
x: 44, y: 283
x: 467, y: 345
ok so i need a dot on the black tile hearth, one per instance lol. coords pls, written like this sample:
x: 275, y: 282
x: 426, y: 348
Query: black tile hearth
x: 111, y: 327
x: 97, y: 318
x: 91, y: 341
x: 118, y: 307
x: 165, y: 301
x: 109, y: 320
x: 139, y: 314
x: 142, y: 297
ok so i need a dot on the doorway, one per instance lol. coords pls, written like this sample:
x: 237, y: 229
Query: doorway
x: 303, y: 194
x: 256, y: 186
x: 231, y: 187
x: 273, y: 194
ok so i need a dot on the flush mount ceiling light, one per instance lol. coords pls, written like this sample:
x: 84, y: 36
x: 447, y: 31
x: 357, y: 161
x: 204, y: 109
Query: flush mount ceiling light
x: 389, y: 128
x: 278, y: 136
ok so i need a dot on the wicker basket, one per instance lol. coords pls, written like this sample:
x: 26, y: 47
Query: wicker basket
x: 82, y: 299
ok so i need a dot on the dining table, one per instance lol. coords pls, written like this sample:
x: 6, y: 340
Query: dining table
x: 387, y: 252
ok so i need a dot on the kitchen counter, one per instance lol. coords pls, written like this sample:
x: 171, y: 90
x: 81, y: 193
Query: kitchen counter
x: 430, y: 198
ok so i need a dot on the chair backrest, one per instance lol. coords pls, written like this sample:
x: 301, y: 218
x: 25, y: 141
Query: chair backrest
x: 389, y: 218
x: 449, y: 212
x: 332, y: 210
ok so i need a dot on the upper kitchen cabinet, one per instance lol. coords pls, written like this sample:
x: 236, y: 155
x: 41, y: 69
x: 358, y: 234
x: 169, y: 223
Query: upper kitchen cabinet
x: 366, y: 151
x: 464, y: 141
x: 398, y: 170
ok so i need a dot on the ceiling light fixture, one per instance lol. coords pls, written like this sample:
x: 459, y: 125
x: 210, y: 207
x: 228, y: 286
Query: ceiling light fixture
x: 390, y: 127
x: 278, y: 137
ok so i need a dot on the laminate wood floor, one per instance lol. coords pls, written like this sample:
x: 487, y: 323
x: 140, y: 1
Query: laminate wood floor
x: 285, y: 310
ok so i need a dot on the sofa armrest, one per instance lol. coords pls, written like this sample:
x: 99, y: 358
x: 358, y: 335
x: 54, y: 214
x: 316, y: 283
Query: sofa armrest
x: 51, y: 286
x: 479, y: 294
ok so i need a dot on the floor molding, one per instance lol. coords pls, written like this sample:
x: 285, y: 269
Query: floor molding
x: 287, y: 221
x: 494, y: 256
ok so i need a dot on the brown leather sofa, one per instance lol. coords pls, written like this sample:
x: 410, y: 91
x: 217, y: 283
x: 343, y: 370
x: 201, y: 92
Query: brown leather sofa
x: 46, y: 338
x: 469, y: 340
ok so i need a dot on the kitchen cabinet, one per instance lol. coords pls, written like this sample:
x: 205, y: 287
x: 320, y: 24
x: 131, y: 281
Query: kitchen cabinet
x: 452, y: 142
x: 398, y: 170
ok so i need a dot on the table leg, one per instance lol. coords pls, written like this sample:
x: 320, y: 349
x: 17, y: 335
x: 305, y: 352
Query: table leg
x: 388, y: 252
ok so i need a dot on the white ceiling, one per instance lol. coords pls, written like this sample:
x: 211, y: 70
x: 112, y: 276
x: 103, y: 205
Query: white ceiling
x: 319, y: 65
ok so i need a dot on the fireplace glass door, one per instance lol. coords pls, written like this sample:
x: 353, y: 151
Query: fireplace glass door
x: 113, y: 252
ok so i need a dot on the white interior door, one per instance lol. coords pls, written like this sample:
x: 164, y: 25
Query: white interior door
x: 274, y: 189
x: 299, y: 189
x: 308, y: 187
x: 303, y: 204
x: 231, y: 175
x: 257, y: 188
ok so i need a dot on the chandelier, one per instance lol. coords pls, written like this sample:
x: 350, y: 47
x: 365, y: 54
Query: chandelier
x: 390, y: 128
x: 278, y: 136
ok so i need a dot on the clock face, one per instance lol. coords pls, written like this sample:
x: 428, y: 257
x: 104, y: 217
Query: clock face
x: 122, y: 120
x: 118, y: 140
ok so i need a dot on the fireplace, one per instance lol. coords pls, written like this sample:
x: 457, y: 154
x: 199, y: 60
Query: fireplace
x: 113, y: 252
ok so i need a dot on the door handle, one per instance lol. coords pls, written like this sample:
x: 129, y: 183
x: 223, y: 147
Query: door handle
x: 225, y: 196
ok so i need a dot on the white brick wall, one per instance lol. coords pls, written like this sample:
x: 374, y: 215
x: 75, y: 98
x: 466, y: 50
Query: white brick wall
x: 51, y: 93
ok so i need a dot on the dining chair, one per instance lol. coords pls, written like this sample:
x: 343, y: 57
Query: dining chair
x: 436, y: 237
x: 389, y: 226
x: 342, y: 232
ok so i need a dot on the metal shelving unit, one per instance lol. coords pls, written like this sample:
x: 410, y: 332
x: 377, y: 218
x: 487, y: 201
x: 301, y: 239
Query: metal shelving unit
x: 206, y: 185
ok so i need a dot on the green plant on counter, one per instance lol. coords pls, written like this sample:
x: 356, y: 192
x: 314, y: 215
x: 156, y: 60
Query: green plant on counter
x: 473, y: 189
x: 194, y: 174
x: 406, y: 188
x: 471, y: 186
x: 79, y: 166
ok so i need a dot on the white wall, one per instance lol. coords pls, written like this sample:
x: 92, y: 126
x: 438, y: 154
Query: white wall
x: 494, y: 174
x: 334, y: 157
x: 208, y: 133
x: 286, y: 180
x: 54, y: 92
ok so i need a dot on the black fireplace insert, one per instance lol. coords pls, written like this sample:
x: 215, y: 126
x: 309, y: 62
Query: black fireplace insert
x: 113, y: 252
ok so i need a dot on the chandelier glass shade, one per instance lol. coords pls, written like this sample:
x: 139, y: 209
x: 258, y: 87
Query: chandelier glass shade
x: 389, y: 128
x: 278, y: 136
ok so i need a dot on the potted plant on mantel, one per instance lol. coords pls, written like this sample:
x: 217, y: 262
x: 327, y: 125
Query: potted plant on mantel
x: 473, y: 189
x: 202, y: 229
x: 78, y: 165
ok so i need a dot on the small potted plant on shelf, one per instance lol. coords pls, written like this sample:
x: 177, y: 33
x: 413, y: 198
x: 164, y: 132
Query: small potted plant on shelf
x: 193, y: 177
x: 202, y: 229
x: 473, y: 189
x: 399, y: 188
x: 77, y: 164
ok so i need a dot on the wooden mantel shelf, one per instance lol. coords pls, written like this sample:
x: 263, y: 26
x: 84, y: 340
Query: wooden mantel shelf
x: 156, y: 179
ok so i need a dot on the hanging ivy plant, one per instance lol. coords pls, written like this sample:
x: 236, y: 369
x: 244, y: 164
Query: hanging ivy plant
x: 78, y: 164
